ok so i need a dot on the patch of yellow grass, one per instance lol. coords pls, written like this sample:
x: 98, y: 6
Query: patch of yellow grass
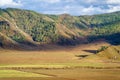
x: 14, y: 73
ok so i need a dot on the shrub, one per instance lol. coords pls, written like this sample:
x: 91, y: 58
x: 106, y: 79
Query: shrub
x: 102, y: 48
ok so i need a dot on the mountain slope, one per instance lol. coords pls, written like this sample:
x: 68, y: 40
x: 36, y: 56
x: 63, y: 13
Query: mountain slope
x: 7, y: 42
x: 30, y: 28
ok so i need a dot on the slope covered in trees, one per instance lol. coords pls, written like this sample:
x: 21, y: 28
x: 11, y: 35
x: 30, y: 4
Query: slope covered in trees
x: 31, y: 28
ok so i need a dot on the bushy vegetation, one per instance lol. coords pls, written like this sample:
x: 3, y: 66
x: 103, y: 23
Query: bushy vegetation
x: 42, y: 28
x: 102, y: 49
x: 5, y: 29
x: 34, y: 24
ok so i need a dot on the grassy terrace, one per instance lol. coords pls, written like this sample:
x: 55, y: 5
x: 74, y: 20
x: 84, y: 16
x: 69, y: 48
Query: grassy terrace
x: 60, y: 74
x: 63, y: 66
x: 15, y: 73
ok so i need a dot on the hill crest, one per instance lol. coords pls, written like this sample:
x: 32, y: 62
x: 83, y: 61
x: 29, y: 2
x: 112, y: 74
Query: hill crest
x: 29, y: 28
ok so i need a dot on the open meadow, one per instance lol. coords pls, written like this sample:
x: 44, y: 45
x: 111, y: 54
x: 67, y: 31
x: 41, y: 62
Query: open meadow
x: 65, y: 64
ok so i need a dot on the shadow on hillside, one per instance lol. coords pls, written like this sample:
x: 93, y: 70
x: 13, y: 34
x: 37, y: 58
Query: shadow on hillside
x: 72, y: 42
x: 68, y: 44
x: 91, y: 51
x: 81, y: 56
x: 113, y: 39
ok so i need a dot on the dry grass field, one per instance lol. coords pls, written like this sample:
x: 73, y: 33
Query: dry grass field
x: 70, y: 74
x: 63, y: 64
x: 63, y: 55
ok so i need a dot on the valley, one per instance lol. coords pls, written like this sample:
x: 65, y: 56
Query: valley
x: 35, y: 46
x: 63, y: 64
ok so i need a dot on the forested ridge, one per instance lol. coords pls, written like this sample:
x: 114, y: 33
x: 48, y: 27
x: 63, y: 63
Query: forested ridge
x: 28, y: 27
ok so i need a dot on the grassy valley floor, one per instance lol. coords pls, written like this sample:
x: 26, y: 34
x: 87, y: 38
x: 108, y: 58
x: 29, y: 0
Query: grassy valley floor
x: 64, y: 64
x: 67, y: 74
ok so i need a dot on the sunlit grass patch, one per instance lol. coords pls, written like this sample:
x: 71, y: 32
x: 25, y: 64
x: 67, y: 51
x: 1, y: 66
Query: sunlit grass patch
x: 15, y: 73
x: 54, y: 65
x: 35, y: 66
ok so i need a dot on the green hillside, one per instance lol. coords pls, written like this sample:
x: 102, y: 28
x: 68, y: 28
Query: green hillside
x: 31, y: 28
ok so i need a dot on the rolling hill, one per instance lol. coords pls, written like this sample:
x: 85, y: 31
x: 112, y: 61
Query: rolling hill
x: 109, y: 54
x: 28, y: 28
